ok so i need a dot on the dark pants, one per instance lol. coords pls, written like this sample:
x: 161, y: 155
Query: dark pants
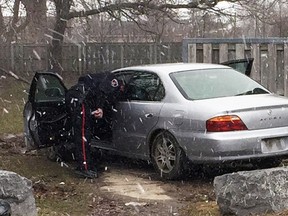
x: 103, y: 129
x: 82, y: 133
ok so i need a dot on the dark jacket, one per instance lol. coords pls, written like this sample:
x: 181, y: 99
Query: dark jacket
x: 98, y: 90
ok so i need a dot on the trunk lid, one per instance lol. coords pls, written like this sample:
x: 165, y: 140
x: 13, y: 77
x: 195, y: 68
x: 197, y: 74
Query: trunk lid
x: 256, y: 111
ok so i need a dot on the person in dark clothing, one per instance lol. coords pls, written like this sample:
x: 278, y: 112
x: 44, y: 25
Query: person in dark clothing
x: 91, y: 106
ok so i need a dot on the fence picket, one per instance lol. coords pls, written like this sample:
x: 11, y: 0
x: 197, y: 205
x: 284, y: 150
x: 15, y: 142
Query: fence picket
x: 207, y: 53
x: 223, y: 52
x: 240, y: 51
x: 285, y: 61
x: 255, y: 74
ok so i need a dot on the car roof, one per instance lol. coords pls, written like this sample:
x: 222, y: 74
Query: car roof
x: 172, y: 67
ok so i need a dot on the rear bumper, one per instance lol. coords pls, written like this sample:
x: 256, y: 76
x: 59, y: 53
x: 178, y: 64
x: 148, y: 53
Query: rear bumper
x: 220, y: 147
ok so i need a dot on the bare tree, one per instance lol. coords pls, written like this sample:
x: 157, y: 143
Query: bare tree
x: 36, y: 14
x: 65, y: 12
x: 266, y: 16
x: 28, y: 15
x: 12, y: 26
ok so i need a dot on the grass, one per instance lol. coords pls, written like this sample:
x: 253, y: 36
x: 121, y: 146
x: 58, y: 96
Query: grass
x: 13, y: 95
x: 57, y: 191
x: 201, y: 209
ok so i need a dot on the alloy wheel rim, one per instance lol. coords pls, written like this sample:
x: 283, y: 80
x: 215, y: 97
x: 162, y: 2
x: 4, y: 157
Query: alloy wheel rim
x: 165, y: 155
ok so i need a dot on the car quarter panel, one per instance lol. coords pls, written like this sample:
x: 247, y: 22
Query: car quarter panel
x: 207, y: 147
x: 236, y: 145
x: 186, y: 120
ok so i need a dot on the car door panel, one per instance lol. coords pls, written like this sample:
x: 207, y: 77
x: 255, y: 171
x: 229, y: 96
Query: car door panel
x: 45, y: 116
x: 50, y: 123
x: 135, y: 120
x: 137, y: 113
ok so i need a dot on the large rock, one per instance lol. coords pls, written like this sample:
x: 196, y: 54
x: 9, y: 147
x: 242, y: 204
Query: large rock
x: 258, y: 191
x: 18, y: 191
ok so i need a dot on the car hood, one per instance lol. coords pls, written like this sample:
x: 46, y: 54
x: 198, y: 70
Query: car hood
x: 256, y: 111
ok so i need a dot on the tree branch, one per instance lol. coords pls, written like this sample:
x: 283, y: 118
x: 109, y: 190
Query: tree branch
x: 144, y: 5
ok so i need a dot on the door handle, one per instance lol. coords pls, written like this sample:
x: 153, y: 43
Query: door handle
x: 149, y: 115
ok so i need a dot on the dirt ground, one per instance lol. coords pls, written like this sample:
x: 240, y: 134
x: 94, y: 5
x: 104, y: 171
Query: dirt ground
x: 124, y: 187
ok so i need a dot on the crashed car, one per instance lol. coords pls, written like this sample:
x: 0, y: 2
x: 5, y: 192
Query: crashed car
x: 174, y: 113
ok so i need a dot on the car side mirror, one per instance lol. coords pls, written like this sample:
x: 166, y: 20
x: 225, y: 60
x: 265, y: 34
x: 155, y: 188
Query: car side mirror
x: 53, y: 92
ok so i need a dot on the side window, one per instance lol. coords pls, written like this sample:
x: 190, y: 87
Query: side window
x: 49, y: 88
x: 143, y: 86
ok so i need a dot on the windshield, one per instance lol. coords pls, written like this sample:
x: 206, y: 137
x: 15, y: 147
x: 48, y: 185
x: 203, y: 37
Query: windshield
x: 215, y: 83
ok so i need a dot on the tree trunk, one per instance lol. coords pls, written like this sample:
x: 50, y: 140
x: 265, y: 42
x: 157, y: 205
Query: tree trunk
x: 36, y: 14
x: 62, y: 11
x: 2, y: 25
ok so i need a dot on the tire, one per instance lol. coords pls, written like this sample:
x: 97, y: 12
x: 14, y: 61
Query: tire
x: 167, y: 156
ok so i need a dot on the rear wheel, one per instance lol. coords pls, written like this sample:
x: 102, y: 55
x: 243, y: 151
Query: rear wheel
x: 167, y: 156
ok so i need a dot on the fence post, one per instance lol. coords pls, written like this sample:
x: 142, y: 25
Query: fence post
x: 240, y: 50
x: 169, y: 52
x: 207, y: 53
x: 256, y: 63
x: 122, y: 55
x: 285, y: 69
x: 272, y: 67
x: 79, y: 46
x: 12, y: 56
x: 223, y: 52
x: 151, y: 53
x: 155, y: 53
x: 192, y: 52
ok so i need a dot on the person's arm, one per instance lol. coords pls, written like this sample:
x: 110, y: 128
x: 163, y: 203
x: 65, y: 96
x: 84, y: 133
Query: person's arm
x: 99, y: 98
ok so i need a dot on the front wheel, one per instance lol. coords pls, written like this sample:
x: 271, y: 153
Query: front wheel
x: 167, y: 156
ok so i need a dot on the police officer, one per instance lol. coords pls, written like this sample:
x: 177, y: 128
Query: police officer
x: 92, y: 100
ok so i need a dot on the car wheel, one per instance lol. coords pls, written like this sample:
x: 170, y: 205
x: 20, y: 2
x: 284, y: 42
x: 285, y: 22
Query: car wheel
x: 167, y: 156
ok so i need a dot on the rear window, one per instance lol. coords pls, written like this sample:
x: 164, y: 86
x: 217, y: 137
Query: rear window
x: 215, y: 83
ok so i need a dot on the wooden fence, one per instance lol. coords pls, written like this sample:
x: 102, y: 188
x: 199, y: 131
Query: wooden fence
x: 270, y: 55
x: 88, y: 57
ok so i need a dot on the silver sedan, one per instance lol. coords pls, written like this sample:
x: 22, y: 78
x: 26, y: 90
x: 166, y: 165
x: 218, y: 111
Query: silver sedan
x: 206, y: 113
x: 173, y: 113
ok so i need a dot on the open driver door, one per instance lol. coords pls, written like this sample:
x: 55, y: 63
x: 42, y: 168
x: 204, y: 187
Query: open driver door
x: 46, y: 121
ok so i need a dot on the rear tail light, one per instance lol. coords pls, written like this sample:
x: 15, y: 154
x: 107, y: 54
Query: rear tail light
x: 225, y: 123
